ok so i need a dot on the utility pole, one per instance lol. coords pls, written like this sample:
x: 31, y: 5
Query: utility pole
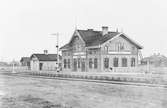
x: 57, y: 47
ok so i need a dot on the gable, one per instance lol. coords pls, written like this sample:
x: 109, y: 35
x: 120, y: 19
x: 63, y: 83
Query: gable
x: 33, y: 57
x: 131, y: 41
x: 121, y: 38
x: 77, y: 44
x: 25, y: 59
x: 74, y: 36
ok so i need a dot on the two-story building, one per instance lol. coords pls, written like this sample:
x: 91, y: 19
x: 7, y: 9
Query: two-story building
x: 99, y: 51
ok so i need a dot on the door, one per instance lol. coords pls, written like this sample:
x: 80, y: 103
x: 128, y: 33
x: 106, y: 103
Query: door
x: 75, y: 64
x: 40, y: 66
x: 83, y: 65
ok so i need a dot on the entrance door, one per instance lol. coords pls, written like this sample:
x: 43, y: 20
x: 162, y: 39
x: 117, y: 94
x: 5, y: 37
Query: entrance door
x: 40, y: 66
x: 83, y: 65
x: 75, y: 64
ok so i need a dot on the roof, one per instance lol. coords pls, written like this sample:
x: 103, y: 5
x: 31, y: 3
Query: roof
x: 25, y: 59
x: 94, y: 38
x: 46, y: 57
x: 155, y: 58
x: 66, y: 46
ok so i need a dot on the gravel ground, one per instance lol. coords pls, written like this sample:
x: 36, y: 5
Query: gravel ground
x: 20, y: 92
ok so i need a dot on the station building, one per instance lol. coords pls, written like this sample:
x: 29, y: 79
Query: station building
x: 99, y: 51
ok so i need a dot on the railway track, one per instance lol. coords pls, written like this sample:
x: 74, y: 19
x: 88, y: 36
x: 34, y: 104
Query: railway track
x: 84, y: 80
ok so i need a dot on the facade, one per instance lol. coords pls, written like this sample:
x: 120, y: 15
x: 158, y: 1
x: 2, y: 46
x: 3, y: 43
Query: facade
x: 99, y: 51
x: 25, y: 61
x: 44, y: 62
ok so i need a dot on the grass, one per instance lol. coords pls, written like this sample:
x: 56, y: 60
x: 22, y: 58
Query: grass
x: 20, y: 92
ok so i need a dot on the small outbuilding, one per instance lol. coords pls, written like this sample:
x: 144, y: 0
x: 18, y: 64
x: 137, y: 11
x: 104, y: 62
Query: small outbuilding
x: 45, y: 62
x: 25, y: 61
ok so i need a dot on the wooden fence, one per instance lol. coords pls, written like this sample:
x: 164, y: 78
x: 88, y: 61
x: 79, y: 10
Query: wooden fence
x: 16, y: 68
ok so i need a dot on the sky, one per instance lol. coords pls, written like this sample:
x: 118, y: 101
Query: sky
x: 26, y: 25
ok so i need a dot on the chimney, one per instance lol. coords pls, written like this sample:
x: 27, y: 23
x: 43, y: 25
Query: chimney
x: 104, y: 30
x: 46, y: 52
x: 90, y: 29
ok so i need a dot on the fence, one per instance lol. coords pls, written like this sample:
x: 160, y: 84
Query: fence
x: 16, y: 68
x: 140, y: 69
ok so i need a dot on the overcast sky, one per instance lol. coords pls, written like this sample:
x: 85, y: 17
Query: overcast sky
x: 25, y: 25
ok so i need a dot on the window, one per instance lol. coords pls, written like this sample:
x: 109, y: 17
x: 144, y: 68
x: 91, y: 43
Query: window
x: 106, y: 48
x: 119, y: 46
x: 115, y: 62
x: 95, y: 52
x: 64, y: 53
x: 106, y: 63
x: 76, y: 38
x: 79, y: 63
x: 68, y: 53
x: 90, y: 52
x: 90, y: 63
x: 95, y: 63
x: 78, y: 47
x: 74, y: 48
x: 65, y: 65
x: 124, y: 62
x: 69, y: 63
x: 75, y: 64
x: 133, y: 62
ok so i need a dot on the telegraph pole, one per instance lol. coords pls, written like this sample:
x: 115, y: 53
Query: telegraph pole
x: 57, y: 47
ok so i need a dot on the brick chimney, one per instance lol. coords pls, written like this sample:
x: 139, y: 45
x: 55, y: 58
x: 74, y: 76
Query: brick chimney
x: 46, y: 52
x: 104, y: 30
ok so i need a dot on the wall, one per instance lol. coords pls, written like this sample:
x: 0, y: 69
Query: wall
x: 78, y: 44
x: 113, y: 51
x: 48, y: 65
x: 111, y: 58
x: 34, y: 65
x: 77, y: 51
x: 93, y: 53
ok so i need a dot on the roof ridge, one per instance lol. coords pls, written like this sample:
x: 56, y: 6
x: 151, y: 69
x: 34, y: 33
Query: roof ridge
x: 96, y: 30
